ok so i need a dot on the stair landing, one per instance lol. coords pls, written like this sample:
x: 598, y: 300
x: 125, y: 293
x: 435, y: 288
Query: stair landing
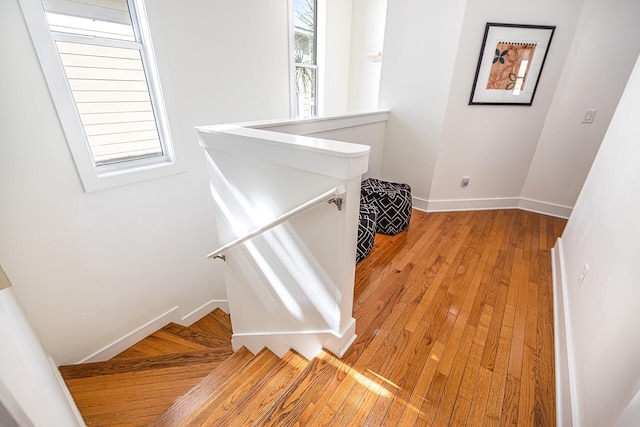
x: 139, y: 384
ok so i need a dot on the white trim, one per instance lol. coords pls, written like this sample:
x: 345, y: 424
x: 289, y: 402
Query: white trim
x: 307, y: 343
x: 29, y: 390
x: 447, y: 205
x: 454, y: 205
x: 339, y: 344
x: 545, y: 208
x: 65, y: 391
x: 313, y: 125
x: 123, y: 343
x: 321, y: 55
x: 292, y: 65
x: 119, y: 345
x: 332, y: 158
x: 91, y: 177
x: 203, y: 310
x: 69, y: 7
x: 420, y: 204
x: 566, y: 398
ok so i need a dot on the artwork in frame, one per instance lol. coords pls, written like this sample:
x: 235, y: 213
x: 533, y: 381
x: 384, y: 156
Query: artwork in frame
x: 510, y: 64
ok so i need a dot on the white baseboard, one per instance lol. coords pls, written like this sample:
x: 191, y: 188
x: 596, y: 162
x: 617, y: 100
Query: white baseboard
x: 66, y: 392
x: 454, y: 205
x: 339, y: 344
x: 545, y: 208
x: 172, y: 315
x: 307, y: 343
x: 565, y: 378
x: 203, y: 310
x: 420, y: 204
x: 121, y: 344
x: 449, y: 205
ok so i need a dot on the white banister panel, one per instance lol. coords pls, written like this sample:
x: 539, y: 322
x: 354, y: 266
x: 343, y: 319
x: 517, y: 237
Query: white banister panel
x: 289, y: 285
x: 327, y: 157
x: 331, y: 196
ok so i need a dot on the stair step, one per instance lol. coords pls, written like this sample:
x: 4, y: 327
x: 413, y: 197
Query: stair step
x: 222, y: 317
x: 257, y: 399
x: 130, y: 353
x: 131, y: 409
x: 217, y: 322
x: 163, y: 341
x: 302, y: 393
x: 199, y: 394
x: 236, y: 384
x: 317, y: 405
x: 138, y: 416
x: 135, y: 398
x: 206, y: 339
x: 114, y: 366
x: 104, y: 386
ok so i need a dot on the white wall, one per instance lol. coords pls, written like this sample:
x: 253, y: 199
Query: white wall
x: 420, y: 46
x: 534, y: 157
x: 334, y: 76
x: 367, y: 36
x: 631, y: 414
x: 567, y: 147
x: 603, y: 312
x: 89, y: 268
x: 349, y: 30
x: 494, y: 145
x: 370, y: 134
x: 359, y: 128
x: 29, y: 389
x: 228, y: 62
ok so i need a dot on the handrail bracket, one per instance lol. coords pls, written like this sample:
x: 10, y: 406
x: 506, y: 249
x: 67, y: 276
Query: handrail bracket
x: 220, y: 256
x: 336, y: 201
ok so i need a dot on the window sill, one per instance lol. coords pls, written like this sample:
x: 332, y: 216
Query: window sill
x: 93, y: 181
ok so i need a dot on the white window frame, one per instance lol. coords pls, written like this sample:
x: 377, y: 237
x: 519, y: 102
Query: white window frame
x: 320, y: 43
x: 93, y: 177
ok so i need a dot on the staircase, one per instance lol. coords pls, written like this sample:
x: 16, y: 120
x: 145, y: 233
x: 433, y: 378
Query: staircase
x: 189, y: 376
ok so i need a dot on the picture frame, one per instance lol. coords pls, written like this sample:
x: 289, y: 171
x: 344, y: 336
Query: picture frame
x: 511, y: 60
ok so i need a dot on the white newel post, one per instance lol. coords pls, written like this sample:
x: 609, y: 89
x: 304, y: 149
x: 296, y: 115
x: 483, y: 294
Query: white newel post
x: 292, y: 286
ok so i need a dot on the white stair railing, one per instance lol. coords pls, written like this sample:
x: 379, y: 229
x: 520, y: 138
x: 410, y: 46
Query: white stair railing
x: 331, y: 196
x: 289, y: 283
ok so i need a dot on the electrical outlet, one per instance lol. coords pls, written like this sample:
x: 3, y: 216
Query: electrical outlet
x: 464, y: 182
x: 583, y: 273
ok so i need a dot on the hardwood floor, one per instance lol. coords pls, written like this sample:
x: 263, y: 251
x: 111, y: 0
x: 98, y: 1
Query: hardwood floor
x: 455, y: 328
x: 455, y: 321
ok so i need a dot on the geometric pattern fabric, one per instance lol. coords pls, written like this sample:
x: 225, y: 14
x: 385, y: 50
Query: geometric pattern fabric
x: 366, y: 230
x: 393, y: 201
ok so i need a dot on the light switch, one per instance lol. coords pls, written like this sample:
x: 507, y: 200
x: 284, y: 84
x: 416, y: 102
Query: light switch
x: 589, y: 115
x: 583, y: 273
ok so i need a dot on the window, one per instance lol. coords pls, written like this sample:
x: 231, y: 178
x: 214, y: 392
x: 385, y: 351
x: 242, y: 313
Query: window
x: 305, y: 58
x: 103, y: 78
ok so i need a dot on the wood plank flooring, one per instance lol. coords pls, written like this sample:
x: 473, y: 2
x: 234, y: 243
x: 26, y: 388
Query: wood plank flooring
x: 455, y: 322
x: 455, y: 328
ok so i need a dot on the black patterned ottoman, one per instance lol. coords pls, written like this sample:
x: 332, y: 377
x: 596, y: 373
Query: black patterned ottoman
x: 393, y: 201
x: 366, y: 230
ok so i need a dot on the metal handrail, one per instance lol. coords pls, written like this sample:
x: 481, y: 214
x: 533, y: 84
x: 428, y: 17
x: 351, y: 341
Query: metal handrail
x: 331, y: 196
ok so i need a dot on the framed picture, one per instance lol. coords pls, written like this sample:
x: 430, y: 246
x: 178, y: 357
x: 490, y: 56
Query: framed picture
x: 510, y: 64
